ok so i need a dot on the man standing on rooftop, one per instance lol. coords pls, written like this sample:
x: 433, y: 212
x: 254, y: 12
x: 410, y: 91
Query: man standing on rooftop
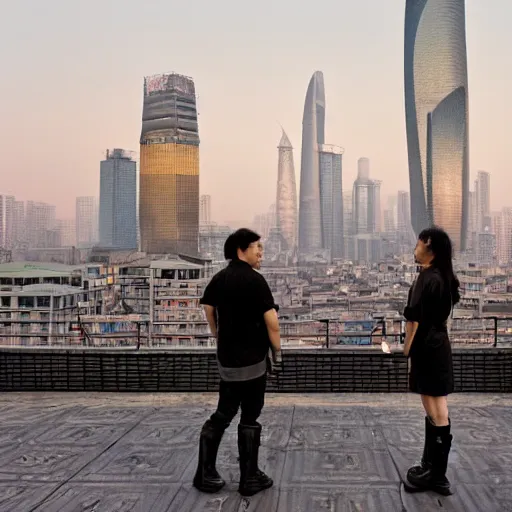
x: 242, y: 315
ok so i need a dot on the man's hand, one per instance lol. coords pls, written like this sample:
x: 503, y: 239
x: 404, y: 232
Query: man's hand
x: 275, y: 362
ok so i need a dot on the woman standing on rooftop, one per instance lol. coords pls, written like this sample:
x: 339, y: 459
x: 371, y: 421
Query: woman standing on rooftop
x: 430, y: 302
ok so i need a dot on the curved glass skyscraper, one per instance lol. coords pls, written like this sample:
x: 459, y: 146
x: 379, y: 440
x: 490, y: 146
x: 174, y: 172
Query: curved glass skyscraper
x: 286, y: 201
x: 436, y: 107
x: 313, y: 134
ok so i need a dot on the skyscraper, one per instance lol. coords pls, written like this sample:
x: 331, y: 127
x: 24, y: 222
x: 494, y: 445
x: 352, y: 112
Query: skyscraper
x: 502, y: 227
x: 40, y: 223
x: 366, y: 201
x: 118, y: 200
x: 348, y: 225
x: 6, y: 222
x: 331, y: 199
x: 169, y: 166
x: 403, y: 213
x: 86, y: 221
x: 313, y: 134
x: 19, y: 226
x: 67, y: 232
x: 205, y: 210
x: 286, y: 200
x: 483, y: 200
x: 436, y: 106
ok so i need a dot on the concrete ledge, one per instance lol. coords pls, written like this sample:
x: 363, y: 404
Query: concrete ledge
x: 347, y: 370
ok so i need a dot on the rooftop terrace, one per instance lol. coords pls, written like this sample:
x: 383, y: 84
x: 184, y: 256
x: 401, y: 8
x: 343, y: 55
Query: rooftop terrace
x: 137, y: 452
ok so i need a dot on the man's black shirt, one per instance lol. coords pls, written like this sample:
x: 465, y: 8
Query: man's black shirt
x: 241, y: 296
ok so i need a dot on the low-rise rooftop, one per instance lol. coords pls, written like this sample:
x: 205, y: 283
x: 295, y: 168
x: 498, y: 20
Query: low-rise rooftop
x: 32, y: 269
x: 138, y: 452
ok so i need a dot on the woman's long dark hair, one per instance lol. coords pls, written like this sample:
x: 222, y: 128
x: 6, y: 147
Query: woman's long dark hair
x: 441, y: 246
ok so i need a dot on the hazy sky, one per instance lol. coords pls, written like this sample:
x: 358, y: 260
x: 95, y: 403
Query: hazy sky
x: 72, y: 76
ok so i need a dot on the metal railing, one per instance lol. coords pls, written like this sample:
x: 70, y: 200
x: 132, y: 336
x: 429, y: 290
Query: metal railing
x: 324, y: 333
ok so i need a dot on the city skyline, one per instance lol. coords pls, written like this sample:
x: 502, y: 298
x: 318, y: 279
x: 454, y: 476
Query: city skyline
x: 366, y: 119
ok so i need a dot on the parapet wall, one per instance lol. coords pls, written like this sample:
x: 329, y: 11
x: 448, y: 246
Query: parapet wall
x: 305, y: 371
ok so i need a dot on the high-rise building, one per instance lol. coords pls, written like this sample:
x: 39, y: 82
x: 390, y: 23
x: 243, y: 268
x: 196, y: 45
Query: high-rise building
x: 67, y: 232
x: 331, y: 199
x: 486, y: 248
x: 389, y: 222
x: 502, y: 226
x: 169, y: 166
x: 483, y: 200
x: 348, y: 226
x: 366, y: 201
x: 118, y: 200
x: 286, y: 200
x: 86, y: 221
x: 6, y: 222
x: 19, y: 227
x: 436, y: 106
x: 403, y: 218
x: 205, y: 210
x: 313, y: 134
x: 40, y: 223
x: 473, y: 229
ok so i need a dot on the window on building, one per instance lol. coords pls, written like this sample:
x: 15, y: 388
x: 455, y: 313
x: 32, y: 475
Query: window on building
x: 43, y: 302
x: 51, y: 280
x: 6, y: 302
x: 26, y: 302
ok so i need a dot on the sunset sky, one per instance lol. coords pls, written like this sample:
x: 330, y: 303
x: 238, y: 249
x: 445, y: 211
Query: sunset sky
x: 72, y: 78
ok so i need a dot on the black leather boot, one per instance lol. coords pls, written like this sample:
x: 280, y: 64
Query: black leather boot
x: 252, y: 479
x: 207, y: 479
x: 422, y: 466
x: 433, y: 477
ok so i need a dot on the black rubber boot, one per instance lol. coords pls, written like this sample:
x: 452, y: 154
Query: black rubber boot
x: 252, y: 479
x: 433, y: 477
x: 207, y: 479
x: 425, y: 461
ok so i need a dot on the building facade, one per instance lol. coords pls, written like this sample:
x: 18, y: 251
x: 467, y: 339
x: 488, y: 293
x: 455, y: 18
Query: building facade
x: 286, y: 200
x: 331, y: 199
x: 67, y: 232
x: 205, y: 210
x: 169, y: 166
x: 313, y: 134
x: 436, y: 106
x: 118, y: 200
x: 6, y: 222
x: 502, y: 224
x: 86, y: 221
x: 483, y: 200
x: 41, y: 225
x: 366, y: 201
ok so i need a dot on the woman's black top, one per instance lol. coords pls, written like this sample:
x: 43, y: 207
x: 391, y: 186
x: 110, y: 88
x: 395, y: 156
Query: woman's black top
x: 429, y: 304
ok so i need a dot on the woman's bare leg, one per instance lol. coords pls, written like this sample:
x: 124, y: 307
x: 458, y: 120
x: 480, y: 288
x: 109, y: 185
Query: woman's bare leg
x: 436, y: 408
